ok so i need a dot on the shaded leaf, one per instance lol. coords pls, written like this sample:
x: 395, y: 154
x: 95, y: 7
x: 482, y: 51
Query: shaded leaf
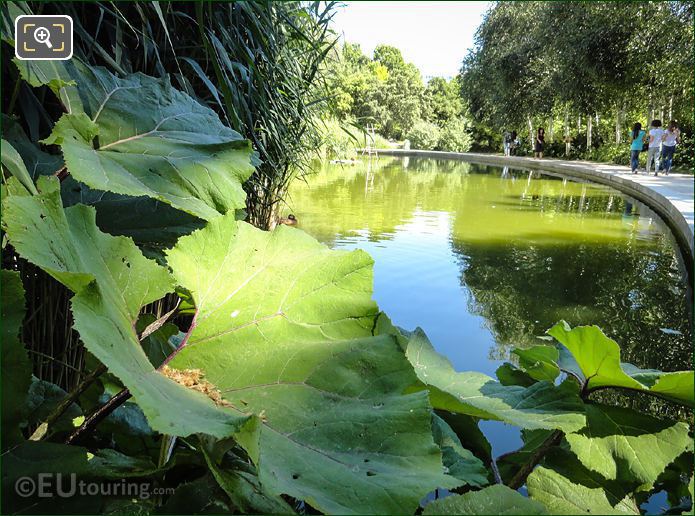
x: 16, y: 368
x: 459, y: 461
x: 150, y: 223
x: 159, y: 344
x: 12, y: 161
x: 467, y: 430
x: 37, y: 162
x: 245, y: 491
x: 507, y: 374
x: 200, y: 496
x: 43, y: 399
x: 510, y: 463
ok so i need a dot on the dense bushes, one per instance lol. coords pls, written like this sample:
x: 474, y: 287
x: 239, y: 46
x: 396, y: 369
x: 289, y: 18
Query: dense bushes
x: 454, y: 137
x: 423, y: 135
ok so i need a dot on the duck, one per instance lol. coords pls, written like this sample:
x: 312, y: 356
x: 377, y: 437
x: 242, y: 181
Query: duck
x: 291, y: 220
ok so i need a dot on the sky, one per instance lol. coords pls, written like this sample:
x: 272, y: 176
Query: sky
x: 435, y: 36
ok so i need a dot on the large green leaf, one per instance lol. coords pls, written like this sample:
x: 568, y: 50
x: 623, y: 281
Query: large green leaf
x: 112, y: 280
x: 597, y: 355
x: 283, y: 327
x: 542, y: 405
x: 139, y: 136
x: 16, y: 368
x: 497, y: 499
x: 596, y: 362
x: 564, y: 486
x: 622, y: 444
x: 459, y: 461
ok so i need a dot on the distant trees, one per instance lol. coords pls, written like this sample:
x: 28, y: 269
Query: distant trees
x: 389, y: 94
x: 601, y: 64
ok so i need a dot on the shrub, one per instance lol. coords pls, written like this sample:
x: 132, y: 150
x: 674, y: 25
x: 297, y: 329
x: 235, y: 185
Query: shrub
x: 423, y: 135
x: 454, y: 137
x: 337, y: 142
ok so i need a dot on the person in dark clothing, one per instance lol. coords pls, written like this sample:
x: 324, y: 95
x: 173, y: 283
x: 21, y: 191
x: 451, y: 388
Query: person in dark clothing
x: 540, y: 142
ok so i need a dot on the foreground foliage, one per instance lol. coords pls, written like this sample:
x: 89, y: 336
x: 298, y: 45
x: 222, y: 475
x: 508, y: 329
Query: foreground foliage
x: 276, y: 385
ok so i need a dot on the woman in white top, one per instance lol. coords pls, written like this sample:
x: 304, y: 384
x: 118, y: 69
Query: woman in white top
x: 671, y: 138
x: 656, y: 134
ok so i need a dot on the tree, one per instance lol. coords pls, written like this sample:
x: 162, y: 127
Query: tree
x: 442, y: 100
x: 592, y: 60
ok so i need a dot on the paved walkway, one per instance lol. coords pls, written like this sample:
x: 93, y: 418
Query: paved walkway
x: 672, y: 196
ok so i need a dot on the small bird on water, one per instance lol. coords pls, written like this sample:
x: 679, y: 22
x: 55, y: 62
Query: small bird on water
x: 291, y: 220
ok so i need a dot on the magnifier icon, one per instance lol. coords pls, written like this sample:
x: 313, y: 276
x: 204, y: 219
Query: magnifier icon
x: 42, y: 35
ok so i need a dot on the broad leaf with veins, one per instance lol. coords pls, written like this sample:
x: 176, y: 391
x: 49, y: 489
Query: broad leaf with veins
x: 283, y: 327
x: 111, y: 280
x: 595, y: 360
x: 622, y: 444
x: 565, y: 486
x: 139, y: 136
x: 541, y: 405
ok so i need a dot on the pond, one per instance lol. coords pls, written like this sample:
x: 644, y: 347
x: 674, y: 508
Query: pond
x: 486, y: 258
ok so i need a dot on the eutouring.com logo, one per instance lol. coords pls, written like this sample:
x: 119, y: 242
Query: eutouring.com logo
x: 52, y: 485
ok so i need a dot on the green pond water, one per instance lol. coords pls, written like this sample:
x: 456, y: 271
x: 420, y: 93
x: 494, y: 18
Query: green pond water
x: 486, y: 258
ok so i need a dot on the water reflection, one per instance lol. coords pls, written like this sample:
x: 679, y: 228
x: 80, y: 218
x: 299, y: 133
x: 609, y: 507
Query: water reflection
x: 485, y: 258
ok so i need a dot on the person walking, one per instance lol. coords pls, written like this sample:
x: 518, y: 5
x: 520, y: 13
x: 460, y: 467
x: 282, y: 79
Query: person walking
x: 540, y: 143
x: 506, y: 142
x: 514, y: 145
x: 671, y: 138
x: 636, y: 146
x: 656, y: 134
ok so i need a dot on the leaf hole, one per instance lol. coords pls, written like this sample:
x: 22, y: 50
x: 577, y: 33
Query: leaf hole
x: 370, y: 473
x: 366, y: 460
x: 295, y: 476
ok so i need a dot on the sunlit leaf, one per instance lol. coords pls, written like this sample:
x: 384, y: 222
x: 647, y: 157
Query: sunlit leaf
x: 622, y: 444
x: 595, y: 360
x: 564, y: 486
x: 112, y: 281
x: 138, y: 136
x: 542, y: 405
x: 283, y: 327
x: 540, y: 362
x: 496, y: 499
